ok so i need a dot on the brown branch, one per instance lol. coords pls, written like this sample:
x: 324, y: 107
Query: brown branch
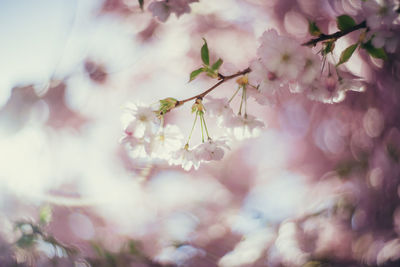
x: 222, y: 78
x: 336, y: 35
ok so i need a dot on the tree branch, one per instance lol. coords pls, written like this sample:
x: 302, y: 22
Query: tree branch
x: 222, y: 78
x: 335, y: 35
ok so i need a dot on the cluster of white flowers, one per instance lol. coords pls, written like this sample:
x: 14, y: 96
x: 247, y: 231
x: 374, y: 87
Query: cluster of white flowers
x: 146, y: 137
x: 204, y: 152
x: 220, y: 109
x: 284, y: 63
x: 163, y: 9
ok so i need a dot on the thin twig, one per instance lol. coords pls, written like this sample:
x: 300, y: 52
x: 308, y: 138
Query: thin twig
x: 336, y: 35
x: 222, y: 80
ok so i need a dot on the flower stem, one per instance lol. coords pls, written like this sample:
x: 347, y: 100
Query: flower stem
x: 205, y: 125
x: 191, y: 132
x: 233, y: 96
x: 245, y: 101
x: 202, y: 131
x: 241, y: 104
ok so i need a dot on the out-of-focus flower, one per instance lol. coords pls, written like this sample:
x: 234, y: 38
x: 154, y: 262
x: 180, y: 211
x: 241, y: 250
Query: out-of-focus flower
x: 211, y: 150
x: 163, y: 9
x: 167, y: 140
x: 143, y: 121
x: 331, y: 90
x: 329, y: 87
x: 379, y: 13
x: 219, y: 107
x: 178, y: 255
x: 386, y: 39
x: 129, y: 140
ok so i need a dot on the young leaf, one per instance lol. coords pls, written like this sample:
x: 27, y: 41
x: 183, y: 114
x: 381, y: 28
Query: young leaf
x: 347, y: 53
x: 375, y: 52
x: 313, y: 29
x: 217, y: 64
x: 195, y: 73
x: 204, y: 53
x: 212, y: 73
x: 345, y: 22
x: 328, y: 47
x: 45, y: 215
x: 141, y: 2
x: 166, y: 105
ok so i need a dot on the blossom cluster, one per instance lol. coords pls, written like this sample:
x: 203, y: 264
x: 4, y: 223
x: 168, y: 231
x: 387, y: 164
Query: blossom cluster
x: 283, y: 63
x: 147, y: 137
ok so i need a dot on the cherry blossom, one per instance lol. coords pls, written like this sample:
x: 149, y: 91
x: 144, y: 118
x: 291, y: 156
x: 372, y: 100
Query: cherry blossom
x: 211, y: 150
x: 246, y: 126
x: 380, y: 13
x: 163, y: 9
x: 219, y: 107
x: 330, y: 89
x: 265, y: 82
x: 185, y: 157
x: 280, y: 55
x: 143, y: 121
x: 312, y: 67
x: 162, y: 144
x: 386, y: 39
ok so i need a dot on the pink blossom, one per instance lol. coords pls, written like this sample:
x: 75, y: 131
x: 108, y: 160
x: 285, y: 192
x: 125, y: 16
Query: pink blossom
x: 379, y: 13
x: 281, y: 55
x: 163, y: 9
x: 211, y: 150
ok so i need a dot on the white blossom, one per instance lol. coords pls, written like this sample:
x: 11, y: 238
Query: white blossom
x: 312, y: 67
x: 281, y: 55
x: 129, y: 140
x: 167, y: 140
x: 246, y: 126
x: 219, y: 107
x: 265, y: 83
x: 185, y: 157
x: 331, y: 89
x: 211, y: 150
x: 143, y: 121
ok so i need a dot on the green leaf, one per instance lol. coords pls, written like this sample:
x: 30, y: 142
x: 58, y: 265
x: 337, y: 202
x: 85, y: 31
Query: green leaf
x: 26, y: 241
x: 313, y: 29
x: 195, y: 73
x: 166, y: 105
x: 328, y: 47
x: 45, y: 215
x: 204, y: 53
x: 141, y: 3
x: 345, y: 22
x: 347, y: 53
x: 217, y: 64
x: 376, y: 52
